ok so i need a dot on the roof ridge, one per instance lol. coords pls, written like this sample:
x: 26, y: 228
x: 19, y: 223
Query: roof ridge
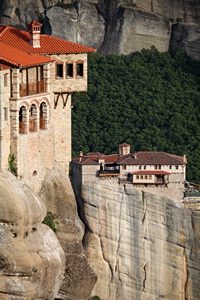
x: 4, y: 30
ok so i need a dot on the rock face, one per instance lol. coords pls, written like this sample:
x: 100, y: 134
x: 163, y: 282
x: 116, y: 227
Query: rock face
x: 58, y: 197
x: 31, y: 259
x: 141, y: 246
x: 113, y: 26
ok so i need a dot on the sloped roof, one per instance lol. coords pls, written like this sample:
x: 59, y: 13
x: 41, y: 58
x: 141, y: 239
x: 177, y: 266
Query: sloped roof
x: 20, y: 39
x: 139, y: 158
x: 19, y: 58
x: 84, y: 161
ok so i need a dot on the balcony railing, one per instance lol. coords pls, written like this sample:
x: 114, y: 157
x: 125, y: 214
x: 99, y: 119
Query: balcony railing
x: 42, y: 123
x: 22, y: 127
x: 32, y: 125
x: 33, y: 88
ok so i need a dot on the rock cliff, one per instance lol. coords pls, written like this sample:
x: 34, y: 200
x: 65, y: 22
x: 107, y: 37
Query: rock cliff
x: 114, y: 26
x: 31, y: 259
x: 141, y: 245
x: 59, y: 198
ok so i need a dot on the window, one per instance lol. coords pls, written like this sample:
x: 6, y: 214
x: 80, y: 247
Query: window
x: 145, y: 167
x: 141, y: 177
x: 5, y: 112
x: 159, y: 167
x: 33, y: 118
x: 43, y: 115
x: 69, y: 70
x: 140, y: 167
x: 79, y: 69
x: 6, y: 80
x: 124, y: 167
x: 59, y: 70
x: 155, y: 167
x: 150, y: 176
x: 176, y: 167
x: 23, y: 120
x: 145, y: 176
x: 137, y: 176
x: 170, y: 167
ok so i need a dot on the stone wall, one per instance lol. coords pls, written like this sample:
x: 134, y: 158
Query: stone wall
x: 4, y: 118
x: 141, y: 245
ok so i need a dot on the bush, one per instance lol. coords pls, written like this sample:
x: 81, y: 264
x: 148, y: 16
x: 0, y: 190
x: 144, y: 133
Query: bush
x: 12, y: 164
x: 50, y: 221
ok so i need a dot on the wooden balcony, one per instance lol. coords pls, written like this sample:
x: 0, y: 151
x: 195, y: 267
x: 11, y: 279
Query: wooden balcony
x: 22, y: 127
x: 43, y: 123
x: 32, y: 125
x: 33, y: 88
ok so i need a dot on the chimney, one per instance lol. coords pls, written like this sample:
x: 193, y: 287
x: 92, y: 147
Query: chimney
x: 81, y: 153
x: 35, y: 34
x: 184, y: 159
x: 124, y: 149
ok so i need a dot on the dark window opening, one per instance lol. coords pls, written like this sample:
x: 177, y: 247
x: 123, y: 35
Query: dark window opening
x: 33, y: 118
x: 70, y: 70
x: 43, y: 115
x: 22, y: 120
x: 59, y: 70
x: 79, y: 69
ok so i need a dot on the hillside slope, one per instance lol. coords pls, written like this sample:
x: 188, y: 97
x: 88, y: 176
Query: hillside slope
x: 148, y: 99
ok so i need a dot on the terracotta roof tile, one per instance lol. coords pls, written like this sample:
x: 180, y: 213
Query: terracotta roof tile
x: 19, y: 58
x: 49, y: 44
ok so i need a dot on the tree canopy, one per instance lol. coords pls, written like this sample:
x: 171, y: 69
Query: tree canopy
x: 148, y: 99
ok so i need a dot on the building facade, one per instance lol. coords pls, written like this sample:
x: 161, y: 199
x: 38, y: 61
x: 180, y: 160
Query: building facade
x: 38, y: 75
x: 142, y: 169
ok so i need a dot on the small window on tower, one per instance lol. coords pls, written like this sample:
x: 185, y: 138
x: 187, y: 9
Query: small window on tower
x: 70, y: 70
x: 6, y: 80
x: 79, y: 69
x: 59, y: 70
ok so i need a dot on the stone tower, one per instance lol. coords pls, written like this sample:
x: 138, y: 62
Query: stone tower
x: 38, y: 75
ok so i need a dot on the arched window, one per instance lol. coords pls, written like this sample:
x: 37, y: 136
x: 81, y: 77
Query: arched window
x: 22, y: 120
x: 79, y: 69
x: 33, y: 118
x: 43, y: 115
x: 59, y: 70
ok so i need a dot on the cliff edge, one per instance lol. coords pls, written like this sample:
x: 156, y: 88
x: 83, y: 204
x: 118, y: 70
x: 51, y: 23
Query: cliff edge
x: 141, y: 245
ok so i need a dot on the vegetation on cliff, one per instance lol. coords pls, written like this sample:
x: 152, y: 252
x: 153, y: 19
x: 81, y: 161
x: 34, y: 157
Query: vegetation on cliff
x: 148, y: 99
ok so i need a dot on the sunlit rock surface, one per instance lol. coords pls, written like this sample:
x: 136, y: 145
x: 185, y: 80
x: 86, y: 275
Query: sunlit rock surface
x: 114, y: 26
x: 141, y: 245
x: 59, y: 198
x: 31, y: 259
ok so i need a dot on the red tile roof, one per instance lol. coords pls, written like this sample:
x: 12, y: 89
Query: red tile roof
x: 18, y: 58
x: 151, y: 158
x: 49, y: 44
x: 139, y: 158
x: 151, y: 172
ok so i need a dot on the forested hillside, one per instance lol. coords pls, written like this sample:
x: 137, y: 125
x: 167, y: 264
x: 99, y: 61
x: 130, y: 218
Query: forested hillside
x: 148, y: 99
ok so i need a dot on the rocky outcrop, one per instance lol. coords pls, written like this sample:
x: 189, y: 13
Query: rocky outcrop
x: 31, y: 259
x: 114, y: 26
x: 58, y: 197
x: 141, y: 245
